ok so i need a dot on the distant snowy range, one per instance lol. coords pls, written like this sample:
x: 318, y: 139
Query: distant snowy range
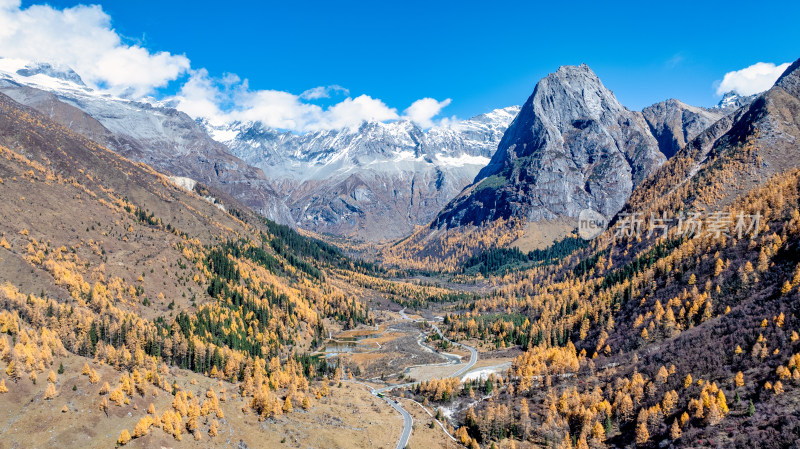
x: 376, y: 181
x: 373, y: 182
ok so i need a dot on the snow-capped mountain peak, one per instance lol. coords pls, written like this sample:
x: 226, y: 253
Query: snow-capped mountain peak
x: 732, y: 100
x: 42, y: 75
x: 375, y: 181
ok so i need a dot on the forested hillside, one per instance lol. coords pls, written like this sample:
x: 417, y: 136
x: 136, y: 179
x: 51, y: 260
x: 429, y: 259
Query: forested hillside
x: 106, y: 263
x: 677, y: 326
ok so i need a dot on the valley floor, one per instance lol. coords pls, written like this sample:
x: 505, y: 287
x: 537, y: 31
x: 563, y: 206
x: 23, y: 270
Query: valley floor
x: 351, y: 416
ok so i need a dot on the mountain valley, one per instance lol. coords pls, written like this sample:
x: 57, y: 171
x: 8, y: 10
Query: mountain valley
x: 173, y: 281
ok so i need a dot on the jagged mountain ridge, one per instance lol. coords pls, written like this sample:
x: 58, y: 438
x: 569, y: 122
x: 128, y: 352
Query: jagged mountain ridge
x: 761, y: 137
x: 376, y: 181
x: 673, y: 123
x: 269, y: 147
x: 164, y: 138
x: 573, y: 146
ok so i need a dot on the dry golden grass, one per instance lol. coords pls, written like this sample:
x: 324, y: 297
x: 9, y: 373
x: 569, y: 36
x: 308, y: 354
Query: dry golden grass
x: 383, y: 339
x: 365, y: 358
x: 350, y: 417
x: 356, y: 333
x: 542, y: 234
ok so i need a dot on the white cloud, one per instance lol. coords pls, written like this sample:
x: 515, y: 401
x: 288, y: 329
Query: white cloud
x: 202, y: 96
x: 353, y: 111
x: 7, y: 4
x: 82, y: 38
x: 423, y: 110
x: 199, y: 97
x: 323, y: 92
x: 752, y: 80
x: 275, y: 109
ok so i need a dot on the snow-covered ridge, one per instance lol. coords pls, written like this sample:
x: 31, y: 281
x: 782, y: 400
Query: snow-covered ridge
x: 319, y: 155
x: 139, y: 119
x: 374, y: 181
x: 50, y: 77
x: 143, y: 130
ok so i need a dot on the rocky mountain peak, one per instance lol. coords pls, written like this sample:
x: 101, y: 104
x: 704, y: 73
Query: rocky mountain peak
x: 731, y: 101
x: 579, y: 90
x: 674, y: 123
x: 572, y: 146
x: 570, y: 101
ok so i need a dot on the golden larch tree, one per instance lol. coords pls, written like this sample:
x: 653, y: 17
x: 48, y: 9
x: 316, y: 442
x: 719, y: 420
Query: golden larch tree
x: 675, y: 430
x: 124, y: 437
x: 642, y: 434
x: 50, y: 392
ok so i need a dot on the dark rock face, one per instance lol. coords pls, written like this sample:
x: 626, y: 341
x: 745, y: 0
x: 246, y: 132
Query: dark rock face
x: 674, y: 123
x: 572, y: 146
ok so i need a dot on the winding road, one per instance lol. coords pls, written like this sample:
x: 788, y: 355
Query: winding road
x: 473, y: 357
x: 408, y: 421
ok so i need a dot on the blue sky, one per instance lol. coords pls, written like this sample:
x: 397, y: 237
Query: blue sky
x: 482, y: 55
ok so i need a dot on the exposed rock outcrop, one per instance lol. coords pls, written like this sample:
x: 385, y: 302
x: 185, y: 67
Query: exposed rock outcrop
x: 573, y: 146
x: 674, y: 123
